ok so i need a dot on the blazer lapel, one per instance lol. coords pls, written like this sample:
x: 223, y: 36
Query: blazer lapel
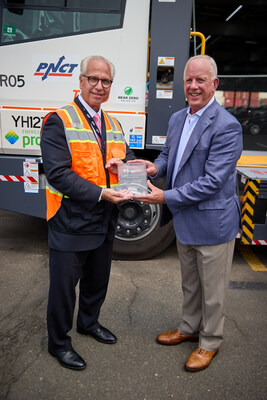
x: 179, y: 123
x: 198, y: 131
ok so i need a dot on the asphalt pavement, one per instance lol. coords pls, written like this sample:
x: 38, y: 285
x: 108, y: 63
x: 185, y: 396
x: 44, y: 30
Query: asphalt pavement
x: 144, y: 299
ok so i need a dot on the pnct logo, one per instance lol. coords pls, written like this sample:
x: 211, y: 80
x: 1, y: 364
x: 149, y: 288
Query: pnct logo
x: 58, y: 69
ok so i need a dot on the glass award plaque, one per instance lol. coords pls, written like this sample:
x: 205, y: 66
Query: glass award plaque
x: 133, y: 177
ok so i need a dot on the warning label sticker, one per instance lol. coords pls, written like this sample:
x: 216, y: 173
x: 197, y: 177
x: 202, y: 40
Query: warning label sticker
x: 166, y: 61
x: 158, y: 139
x: 31, y: 169
x: 164, y: 94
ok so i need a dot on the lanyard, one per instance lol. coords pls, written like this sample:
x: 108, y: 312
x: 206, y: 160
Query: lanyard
x: 93, y: 125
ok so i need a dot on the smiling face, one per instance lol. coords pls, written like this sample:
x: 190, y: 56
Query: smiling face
x: 95, y: 95
x: 199, y: 83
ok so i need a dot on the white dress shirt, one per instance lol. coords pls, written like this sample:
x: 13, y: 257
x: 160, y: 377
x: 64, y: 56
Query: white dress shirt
x: 88, y: 108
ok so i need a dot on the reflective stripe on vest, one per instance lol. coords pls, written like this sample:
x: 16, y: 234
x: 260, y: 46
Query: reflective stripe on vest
x: 53, y: 201
x: 87, y: 160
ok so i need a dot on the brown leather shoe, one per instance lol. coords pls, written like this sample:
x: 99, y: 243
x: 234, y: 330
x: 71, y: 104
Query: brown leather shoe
x: 174, y: 337
x: 200, y: 359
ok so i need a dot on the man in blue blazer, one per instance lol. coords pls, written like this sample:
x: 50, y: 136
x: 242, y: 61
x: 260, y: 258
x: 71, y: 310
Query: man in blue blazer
x: 203, y: 145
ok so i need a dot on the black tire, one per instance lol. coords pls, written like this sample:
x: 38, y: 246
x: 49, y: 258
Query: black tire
x: 150, y: 241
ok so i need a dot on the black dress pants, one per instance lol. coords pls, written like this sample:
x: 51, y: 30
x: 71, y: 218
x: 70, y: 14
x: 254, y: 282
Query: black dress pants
x: 92, y: 268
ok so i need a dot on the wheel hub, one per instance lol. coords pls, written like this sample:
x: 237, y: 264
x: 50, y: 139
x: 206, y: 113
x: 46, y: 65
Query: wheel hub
x: 136, y: 219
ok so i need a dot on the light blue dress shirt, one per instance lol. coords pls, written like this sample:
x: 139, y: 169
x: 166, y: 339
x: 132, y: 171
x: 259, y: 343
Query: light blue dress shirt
x: 189, y: 125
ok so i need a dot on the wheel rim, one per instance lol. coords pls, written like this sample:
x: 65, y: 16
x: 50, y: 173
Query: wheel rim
x: 136, y: 220
x: 254, y: 129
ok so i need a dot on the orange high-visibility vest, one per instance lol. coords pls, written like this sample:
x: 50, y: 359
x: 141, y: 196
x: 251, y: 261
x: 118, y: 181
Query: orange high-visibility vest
x: 87, y: 159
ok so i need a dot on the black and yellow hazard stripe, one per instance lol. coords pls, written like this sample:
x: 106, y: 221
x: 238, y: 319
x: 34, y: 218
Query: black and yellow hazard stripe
x: 251, y: 192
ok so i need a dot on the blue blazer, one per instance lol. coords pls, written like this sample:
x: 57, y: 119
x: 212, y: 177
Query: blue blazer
x: 203, y: 203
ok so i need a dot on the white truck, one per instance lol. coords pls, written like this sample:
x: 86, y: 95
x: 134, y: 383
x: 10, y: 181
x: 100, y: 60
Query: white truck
x: 41, y: 46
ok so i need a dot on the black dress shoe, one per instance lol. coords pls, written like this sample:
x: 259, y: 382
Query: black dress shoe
x: 101, y: 334
x: 68, y: 359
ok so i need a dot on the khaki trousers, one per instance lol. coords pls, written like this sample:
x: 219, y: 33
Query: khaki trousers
x: 205, y: 278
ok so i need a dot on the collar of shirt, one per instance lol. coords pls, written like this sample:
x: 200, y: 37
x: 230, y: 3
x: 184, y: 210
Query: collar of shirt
x: 88, y: 108
x: 189, y: 125
x: 192, y: 119
x: 200, y: 112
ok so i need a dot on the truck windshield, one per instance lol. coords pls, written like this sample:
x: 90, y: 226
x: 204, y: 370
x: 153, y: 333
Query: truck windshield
x: 27, y: 20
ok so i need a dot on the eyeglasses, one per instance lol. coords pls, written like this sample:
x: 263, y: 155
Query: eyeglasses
x: 93, y: 80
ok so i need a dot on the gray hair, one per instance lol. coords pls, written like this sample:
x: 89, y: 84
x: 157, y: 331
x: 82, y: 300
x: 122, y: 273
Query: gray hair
x: 84, y: 63
x: 213, y: 65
